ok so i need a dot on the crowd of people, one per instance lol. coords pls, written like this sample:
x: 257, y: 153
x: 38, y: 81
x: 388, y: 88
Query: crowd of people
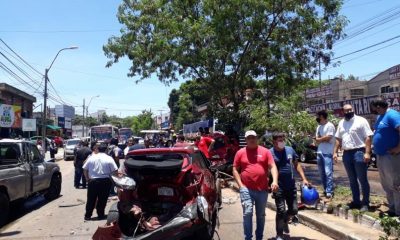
x: 258, y: 170
x: 353, y: 136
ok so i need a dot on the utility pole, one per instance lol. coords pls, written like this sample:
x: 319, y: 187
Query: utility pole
x: 319, y: 71
x: 44, y: 116
x: 83, y: 116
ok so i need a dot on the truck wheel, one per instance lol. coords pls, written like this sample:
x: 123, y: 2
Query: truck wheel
x: 4, y: 208
x: 55, y: 188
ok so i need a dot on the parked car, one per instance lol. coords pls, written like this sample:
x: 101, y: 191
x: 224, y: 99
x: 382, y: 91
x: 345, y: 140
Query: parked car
x: 304, y: 148
x: 70, y: 148
x: 173, y: 193
x: 23, y: 173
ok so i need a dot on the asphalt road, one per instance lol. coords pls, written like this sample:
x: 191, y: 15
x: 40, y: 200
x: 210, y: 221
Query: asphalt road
x: 340, y: 176
x: 39, y: 219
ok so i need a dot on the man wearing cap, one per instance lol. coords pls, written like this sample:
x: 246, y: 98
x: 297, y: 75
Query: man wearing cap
x: 251, y: 169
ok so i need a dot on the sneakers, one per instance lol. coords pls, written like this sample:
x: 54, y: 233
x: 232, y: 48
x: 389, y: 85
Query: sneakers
x: 88, y: 218
x: 329, y: 195
x: 364, y: 208
x: 353, y: 205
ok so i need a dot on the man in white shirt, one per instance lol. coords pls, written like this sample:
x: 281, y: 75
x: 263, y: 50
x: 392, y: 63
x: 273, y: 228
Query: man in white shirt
x: 129, y: 145
x: 97, y: 169
x: 325, y: 139
x: 354, y: 136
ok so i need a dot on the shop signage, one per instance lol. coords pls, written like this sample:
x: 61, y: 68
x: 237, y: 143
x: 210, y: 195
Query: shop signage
x: 10, y: 116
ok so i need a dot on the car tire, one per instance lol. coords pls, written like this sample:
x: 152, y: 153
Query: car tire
x: 207, y: 232
x: 4, y: 208
x: 303, y: 157
x: 55, y: 188
x: 113, y: 214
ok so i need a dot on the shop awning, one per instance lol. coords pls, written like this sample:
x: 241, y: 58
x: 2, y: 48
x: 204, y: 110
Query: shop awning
x: 53, y: 127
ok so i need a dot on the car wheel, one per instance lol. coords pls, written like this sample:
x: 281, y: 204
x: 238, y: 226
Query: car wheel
x: 4, y: 208
x: 303, y: 157
x: 55, y: 188
x: 113, y: 214
x: 207, y: 232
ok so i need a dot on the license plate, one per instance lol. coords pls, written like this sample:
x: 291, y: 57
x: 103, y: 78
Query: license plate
x: 165, y: 191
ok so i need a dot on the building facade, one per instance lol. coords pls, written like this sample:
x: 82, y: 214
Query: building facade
x: 15, y: 105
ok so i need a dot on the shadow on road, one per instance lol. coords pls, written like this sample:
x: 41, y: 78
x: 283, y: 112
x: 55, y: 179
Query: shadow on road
x: 9, y: 234
x: 20, y: 208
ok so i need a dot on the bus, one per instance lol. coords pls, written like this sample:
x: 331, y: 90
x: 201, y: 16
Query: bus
x: 125, y: 134
x: 103, y: 133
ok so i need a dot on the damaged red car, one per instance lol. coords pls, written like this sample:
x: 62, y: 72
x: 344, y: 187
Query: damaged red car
x: 168, y: 193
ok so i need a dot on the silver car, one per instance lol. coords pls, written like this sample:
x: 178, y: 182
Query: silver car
x: 69, y: 148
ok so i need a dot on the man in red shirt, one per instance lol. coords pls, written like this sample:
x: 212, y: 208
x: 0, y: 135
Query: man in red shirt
x: 205, y: 144
x: 251, y: 169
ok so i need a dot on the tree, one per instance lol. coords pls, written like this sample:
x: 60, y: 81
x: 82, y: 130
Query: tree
x: 142, y: 122
x: 185, y: 114
x: 227, y: 44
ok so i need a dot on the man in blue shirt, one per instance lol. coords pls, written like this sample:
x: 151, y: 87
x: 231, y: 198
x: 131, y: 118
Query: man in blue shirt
x: 286, y: 161
x: 386, y: 143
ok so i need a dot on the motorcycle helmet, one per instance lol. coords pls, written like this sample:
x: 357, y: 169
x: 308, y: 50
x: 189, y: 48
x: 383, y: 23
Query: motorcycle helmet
x: 309, y: 195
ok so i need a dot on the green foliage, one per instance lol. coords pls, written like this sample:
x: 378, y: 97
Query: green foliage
x: 391, y: 227
x: 185, y: 114
x: 142, y: 121
x: 227, y: 44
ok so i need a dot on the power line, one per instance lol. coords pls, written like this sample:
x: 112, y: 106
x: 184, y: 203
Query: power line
x: 368, y: 47
x: 361, y: 4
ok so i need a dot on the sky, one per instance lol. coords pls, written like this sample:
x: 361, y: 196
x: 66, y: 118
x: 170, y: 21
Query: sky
x: 36, y: 30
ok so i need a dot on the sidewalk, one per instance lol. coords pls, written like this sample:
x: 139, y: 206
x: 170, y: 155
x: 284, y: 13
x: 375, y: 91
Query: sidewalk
x: 329, y: 224
x: 59, y: 156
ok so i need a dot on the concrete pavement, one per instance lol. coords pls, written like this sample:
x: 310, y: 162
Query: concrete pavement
x: 42, y: 220
x: 231, y: 227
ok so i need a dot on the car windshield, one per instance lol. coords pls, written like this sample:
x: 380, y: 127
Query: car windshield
x: 72, y: 142
x: 9, y: 153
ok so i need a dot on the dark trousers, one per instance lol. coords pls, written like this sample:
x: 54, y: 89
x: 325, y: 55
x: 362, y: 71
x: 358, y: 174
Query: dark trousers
x: 78, y: 177
x: 284, y: 198
x: 98, y: 190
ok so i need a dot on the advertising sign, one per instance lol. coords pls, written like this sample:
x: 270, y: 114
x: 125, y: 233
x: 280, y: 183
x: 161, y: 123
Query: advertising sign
x: 319, y: 92
x: 394, y: 72
x: 29, y: 124
x: 10, y: 116
x: 68, y: 123
x: 61, y: 122
x: 361, y: 106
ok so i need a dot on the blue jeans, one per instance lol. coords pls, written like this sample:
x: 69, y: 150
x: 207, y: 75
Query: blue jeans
x: 357, y: 169
x: 78, y: 176
x: 249, y: 198
x: 325, y: 166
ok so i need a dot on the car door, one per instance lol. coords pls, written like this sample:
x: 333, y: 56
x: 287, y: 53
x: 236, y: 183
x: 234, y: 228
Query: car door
x: 38, y: 169
x: 12, y: 170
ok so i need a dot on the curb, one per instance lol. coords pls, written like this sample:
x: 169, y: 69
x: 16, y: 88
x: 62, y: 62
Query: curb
x: 322, y: 227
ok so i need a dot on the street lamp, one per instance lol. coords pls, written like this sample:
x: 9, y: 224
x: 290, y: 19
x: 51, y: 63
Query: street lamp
x: 87, y: 113
x: 46, y: 79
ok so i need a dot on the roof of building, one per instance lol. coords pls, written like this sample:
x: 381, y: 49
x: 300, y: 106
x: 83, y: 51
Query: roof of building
x: 16, y: 91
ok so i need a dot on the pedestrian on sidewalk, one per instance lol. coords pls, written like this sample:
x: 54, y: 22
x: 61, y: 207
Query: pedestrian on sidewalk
x: 386, y: 144
x: 354, y: 136
x: 129, y: 145
x: 286, y: 160
x: 97, y: 169
x: 325, y: 139
x: 80, y: 156
x: 251, y: 169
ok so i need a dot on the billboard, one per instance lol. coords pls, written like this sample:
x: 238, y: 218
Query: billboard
x: 64, y: 111
x: 394, y: 72
x: 61, y: 122
x: 10, y: 116
x: 361, y: 106
x: 319, y: 92
x: 68, y: 123
x: 29, y: 124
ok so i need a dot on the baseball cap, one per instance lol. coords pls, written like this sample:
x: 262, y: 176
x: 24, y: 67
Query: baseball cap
x: 250, y: 133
